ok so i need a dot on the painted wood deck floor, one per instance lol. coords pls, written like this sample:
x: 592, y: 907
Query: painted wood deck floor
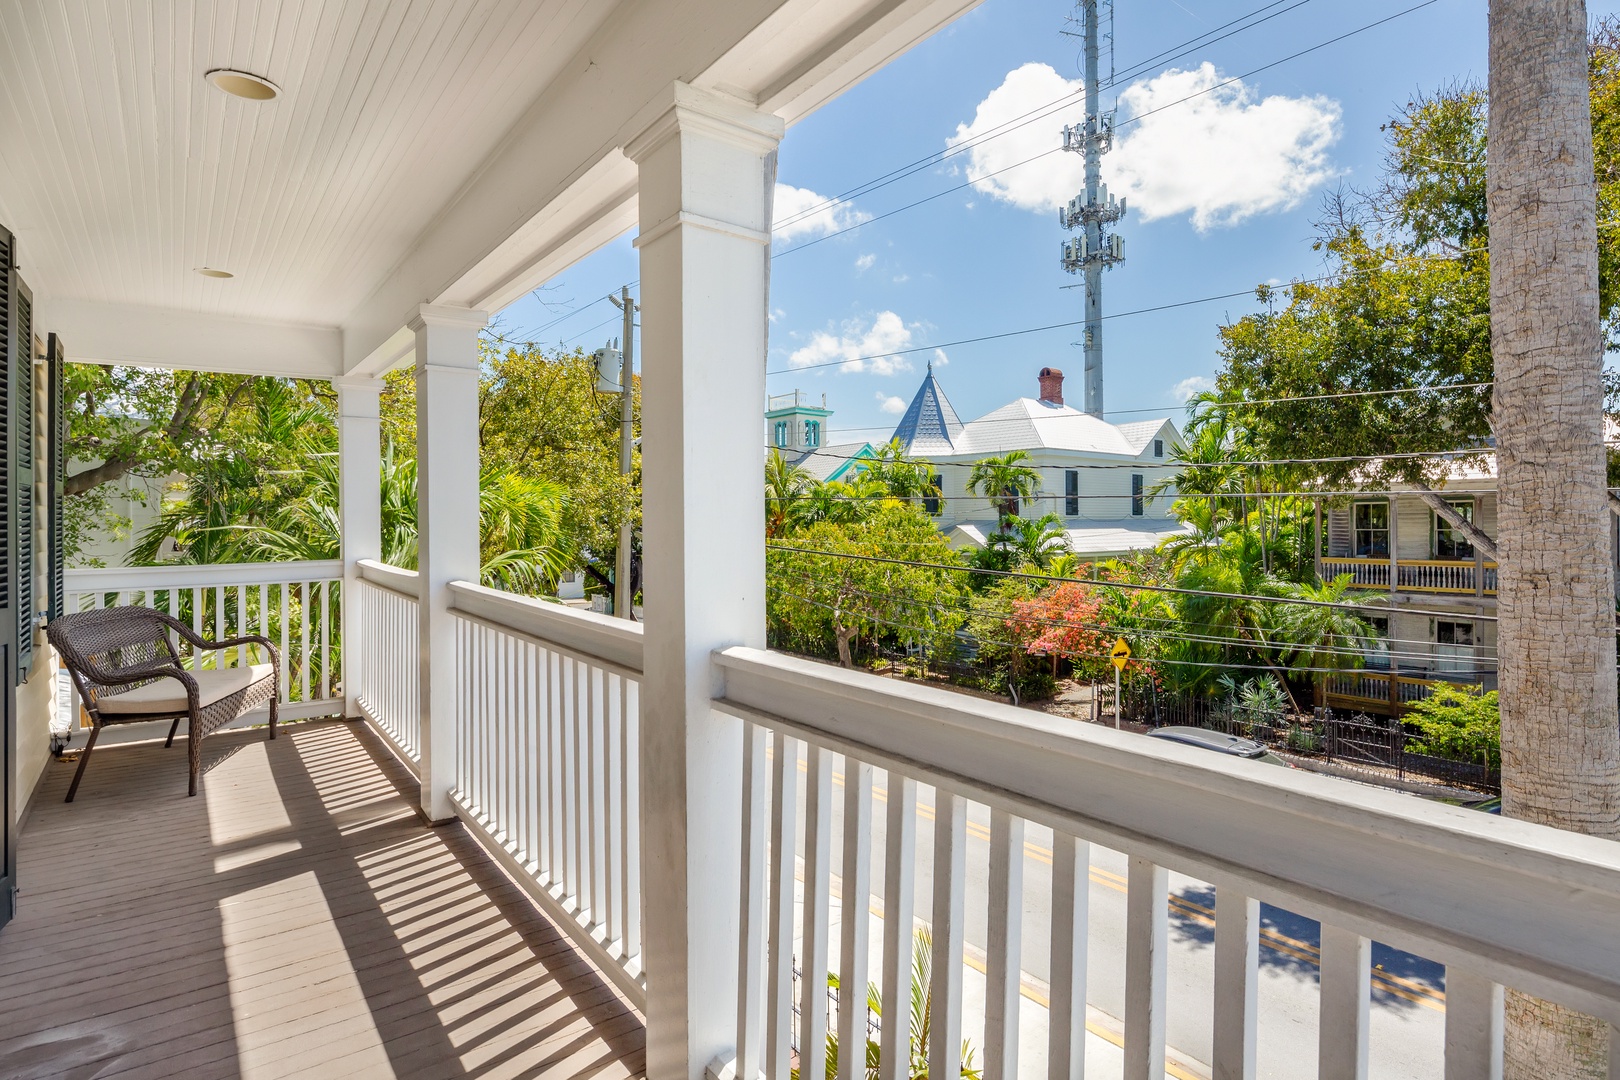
x: 294, y: 919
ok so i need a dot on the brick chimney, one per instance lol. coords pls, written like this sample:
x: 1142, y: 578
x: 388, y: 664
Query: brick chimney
x: 1052, y: 385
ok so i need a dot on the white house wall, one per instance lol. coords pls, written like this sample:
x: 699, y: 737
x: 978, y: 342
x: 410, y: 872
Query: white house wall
x: 1112, y: 484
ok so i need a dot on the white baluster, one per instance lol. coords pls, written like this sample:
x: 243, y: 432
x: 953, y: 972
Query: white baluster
x: 751, y: 931
x: 1147, y: 936
x: 899, y: 905
x: 856, y: 916
x: 1474, y: 1027
x: 1237, y: 983
x: 1346, y: 992
x: 784, y: 845
x: 612, y: 784
x: 1071, y: 904
x: 950, y: 881
x: 817, y: 889
x: 632, y: 820
x: 598, y: 778
x: 1004, y: 946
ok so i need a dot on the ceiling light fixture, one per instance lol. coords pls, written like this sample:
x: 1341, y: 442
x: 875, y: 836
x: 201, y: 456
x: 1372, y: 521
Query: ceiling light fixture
x: 243, y: 84
x: 209, y: 271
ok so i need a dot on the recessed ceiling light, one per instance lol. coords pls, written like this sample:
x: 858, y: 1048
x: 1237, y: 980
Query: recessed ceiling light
x: 209, y: 271
x: 243, y: 84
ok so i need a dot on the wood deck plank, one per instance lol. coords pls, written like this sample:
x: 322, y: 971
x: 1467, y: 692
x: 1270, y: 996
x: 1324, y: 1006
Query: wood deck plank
x: 295, y: 919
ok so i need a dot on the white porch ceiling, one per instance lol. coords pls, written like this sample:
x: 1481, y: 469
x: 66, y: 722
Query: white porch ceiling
x: 421, y: 151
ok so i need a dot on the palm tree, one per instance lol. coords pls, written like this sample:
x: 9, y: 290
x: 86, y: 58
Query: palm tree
x: 1324, y: 637
x: 1242, y: 611
x: 1560, y: 743
x: 920, y: 1020
x: 905, y: 477
x: 1210, y: 526
x: 1034, y: 543
x: 1004, y: 480
x: 785, y: 485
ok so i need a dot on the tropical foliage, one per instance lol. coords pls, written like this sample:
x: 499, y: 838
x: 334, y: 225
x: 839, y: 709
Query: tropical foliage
x: 1459, y: 722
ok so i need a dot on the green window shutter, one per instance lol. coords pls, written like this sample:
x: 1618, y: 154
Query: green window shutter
x: 56, y: 361
x: 22, y: 432
x: 7, y: 499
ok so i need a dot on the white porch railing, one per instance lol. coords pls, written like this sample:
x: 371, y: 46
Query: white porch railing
x: 1445, y: 883
x: 293, y: 604
x: 547, y: 770
x: 383, y: 661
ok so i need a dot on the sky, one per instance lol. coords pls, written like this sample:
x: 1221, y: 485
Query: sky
x: 1224, y: 166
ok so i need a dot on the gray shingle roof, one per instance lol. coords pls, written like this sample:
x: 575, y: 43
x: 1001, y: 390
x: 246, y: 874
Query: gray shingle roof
x: 930, y: 425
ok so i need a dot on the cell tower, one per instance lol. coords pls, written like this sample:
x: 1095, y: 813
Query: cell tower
x: 1097, y: 247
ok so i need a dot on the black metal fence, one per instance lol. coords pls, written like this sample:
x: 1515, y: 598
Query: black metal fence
x: 1375, y: 743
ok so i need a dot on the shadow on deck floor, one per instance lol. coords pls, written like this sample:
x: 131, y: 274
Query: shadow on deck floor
x: 295, y: 919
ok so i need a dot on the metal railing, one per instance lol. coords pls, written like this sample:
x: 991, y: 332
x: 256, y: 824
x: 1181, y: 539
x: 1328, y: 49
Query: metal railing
x: 294, y: 604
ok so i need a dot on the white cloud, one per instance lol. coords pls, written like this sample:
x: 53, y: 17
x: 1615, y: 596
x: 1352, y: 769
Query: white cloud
x: 863, y: 346
x: 799, y: 213
x: 891, y: 404
x: 1220, y: 157
x: 865, y: 263
x: 1184, y: 390
x: 940, y: 359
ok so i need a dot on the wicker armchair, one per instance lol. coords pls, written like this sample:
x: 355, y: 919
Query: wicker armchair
x: 126, y: 668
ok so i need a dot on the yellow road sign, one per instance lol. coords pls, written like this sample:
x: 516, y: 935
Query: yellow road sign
x: 1120, y: 653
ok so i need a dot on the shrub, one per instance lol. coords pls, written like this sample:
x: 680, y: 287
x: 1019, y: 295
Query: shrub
x: 1462, y: 723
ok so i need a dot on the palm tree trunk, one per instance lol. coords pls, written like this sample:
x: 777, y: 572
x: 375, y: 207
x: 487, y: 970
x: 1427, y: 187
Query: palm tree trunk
x: 1560, y: 740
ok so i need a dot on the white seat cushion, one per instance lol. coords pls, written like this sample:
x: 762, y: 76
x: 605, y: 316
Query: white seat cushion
x: 169, y: 695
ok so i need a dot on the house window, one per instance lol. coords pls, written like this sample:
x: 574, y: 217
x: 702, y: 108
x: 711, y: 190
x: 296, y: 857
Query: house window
x: 931, y: 502
x: 1136, y: 494
x: 1158, y: 448
x: 1453, y: 646
x: 1378, y: 652
x: 1071, y: 492
x: 1372, y: 530
x: 781, y: 433
x: 812, y: 433
x: 1449, y: 541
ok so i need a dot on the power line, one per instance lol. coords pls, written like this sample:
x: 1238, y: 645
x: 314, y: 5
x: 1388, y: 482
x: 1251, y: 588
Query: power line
x: 1175, y: 52
x: 1115, y: 315
x: 1346, y: 459
x: 1171, y: 589
x: 1265, y: 644
x: 1191, y: 496
x: 1241, y: 404
x: 1122, y: 123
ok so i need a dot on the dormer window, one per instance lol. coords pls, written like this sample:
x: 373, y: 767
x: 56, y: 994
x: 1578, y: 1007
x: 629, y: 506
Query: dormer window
x: 1158, y: 448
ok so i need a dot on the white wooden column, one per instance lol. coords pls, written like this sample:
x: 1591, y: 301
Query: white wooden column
x: 446, y: 526
x: 704, y: 234
x: 359, y: 507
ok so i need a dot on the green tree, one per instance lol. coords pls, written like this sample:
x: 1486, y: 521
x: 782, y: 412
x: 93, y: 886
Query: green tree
x: 785, y: 488
x: 1004, y: 480
x: 1033, y: 542
x: 1323, y: 638
x: 904, y: 477
x: 1463, y: 723
x: 815, y: 597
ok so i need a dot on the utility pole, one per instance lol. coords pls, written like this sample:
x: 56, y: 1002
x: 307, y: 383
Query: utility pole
x: 1095, y: 248
x: 623, y: 597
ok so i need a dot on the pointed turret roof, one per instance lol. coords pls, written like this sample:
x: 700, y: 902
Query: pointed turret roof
x: 930, y: 425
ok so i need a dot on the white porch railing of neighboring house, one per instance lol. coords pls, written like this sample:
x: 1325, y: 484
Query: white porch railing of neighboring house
x: 294, y: 604
x: 1415, y: 575
x: 1442, y: 882
x: 383, y: 661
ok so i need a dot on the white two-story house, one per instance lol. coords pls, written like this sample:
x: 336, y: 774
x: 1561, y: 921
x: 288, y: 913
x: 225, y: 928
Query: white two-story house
x: 1093, y: 474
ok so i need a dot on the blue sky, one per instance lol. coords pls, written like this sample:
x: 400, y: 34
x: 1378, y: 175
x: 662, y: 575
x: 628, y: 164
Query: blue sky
x: 1223, y: 191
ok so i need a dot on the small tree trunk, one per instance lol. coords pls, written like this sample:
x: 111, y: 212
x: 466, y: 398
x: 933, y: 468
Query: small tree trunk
x: 844, y: 635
